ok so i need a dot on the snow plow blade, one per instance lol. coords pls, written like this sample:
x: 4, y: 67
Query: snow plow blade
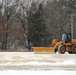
x: 43, y: 50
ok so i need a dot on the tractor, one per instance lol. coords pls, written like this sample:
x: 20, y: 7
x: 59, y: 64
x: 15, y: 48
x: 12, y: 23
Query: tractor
x: 67, y: 45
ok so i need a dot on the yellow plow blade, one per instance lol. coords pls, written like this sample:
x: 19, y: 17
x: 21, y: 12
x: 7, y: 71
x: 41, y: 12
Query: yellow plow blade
x: 43, y: 49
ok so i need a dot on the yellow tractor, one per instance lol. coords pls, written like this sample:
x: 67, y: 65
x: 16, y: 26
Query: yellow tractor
x: 60, y: 46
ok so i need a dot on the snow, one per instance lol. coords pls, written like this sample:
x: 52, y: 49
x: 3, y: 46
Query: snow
x: 69, y: 62
x: 56, y: 72
x: 37, y: 60
x: 41, y: 64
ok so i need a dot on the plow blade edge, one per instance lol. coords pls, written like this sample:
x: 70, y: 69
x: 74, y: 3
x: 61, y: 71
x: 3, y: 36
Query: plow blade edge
x: 43, y: 49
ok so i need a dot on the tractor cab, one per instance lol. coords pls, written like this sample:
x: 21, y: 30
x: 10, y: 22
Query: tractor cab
x: 66, y: 37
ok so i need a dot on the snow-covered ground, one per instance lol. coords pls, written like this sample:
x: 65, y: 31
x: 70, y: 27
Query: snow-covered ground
x: 38, y: 72
x: 31, y: 61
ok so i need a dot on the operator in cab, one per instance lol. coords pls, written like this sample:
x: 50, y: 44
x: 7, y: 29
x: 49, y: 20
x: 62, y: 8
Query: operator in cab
x: 66, y: 37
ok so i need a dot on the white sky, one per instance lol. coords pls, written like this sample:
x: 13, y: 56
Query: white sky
x: 37, y: 72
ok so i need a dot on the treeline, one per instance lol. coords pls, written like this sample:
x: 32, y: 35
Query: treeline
x: 24, y: 24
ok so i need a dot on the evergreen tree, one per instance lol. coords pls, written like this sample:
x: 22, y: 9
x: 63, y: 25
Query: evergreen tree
x: 37, y: 29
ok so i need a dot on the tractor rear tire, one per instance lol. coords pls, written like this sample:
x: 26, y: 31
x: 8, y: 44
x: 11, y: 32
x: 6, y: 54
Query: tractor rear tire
x: 61, y: 49
x: 74, y: 49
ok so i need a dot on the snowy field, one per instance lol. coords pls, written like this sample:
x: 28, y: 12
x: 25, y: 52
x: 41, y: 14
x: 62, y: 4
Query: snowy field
x: 38, y: 72
x: 31, y: 61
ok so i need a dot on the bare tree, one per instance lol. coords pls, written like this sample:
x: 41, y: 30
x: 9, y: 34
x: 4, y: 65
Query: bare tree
x: 26, y: 8
x: 8, y: 12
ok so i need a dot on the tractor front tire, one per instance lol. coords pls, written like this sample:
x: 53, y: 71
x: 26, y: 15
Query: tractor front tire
x: 61, y: 49
x: 74, y: 49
